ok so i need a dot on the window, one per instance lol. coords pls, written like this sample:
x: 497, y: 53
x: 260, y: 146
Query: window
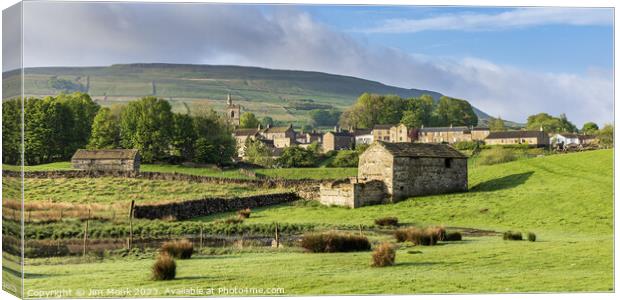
x: 448, y: 163
x: 232, y: 114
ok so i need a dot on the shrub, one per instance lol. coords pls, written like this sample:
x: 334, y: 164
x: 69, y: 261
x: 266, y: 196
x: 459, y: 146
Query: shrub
x: 387, y: 221
x: 345, y: 159
x: 233, y: 220
x: 513, y: 236
x: 165, y: 268
x: 244, y: 213
x: 453, y: 236
x: 496, y: 155
x: 421, y: 236
x: 531, y: 236
x: 384, y: 255
x: 182, y: 249
x: 334, y: 242
x: 466, y: 145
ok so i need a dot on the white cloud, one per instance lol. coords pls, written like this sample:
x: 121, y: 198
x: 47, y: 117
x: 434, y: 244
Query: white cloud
x: 516, y: 18
x: 284, y: 38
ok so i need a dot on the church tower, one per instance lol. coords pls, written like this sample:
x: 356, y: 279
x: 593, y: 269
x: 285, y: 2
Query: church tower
x: 233, y: 111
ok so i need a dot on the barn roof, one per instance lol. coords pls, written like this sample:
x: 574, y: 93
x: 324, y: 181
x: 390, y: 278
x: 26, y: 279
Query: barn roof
x: 515, y: 134
x: 421, y: 150
x: 106, y: 154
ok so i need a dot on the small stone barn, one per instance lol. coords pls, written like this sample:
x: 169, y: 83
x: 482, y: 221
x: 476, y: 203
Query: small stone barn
x: 107, y: 160
x: 414, y: 169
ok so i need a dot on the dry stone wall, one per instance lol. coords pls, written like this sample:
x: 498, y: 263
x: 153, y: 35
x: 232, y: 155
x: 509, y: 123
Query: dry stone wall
x: 208, y: 206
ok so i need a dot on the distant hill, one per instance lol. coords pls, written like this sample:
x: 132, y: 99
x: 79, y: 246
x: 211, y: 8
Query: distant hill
x: 281, y: 91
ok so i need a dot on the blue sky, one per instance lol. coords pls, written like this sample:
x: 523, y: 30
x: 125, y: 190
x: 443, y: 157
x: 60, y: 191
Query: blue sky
x: 510, y: 62
x: 552, y: 47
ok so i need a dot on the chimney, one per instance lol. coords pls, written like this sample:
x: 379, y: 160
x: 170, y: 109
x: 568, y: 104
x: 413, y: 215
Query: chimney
x: 290, y: 125
x: 541, y: 128
x: 450, y: 125
x: 228, y: 100
x: 336, y: 128
x: 422, y: 125
x: 268, y: 125
x: 259, y: 127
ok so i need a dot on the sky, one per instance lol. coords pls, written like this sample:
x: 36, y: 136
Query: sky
x: 509, y: 62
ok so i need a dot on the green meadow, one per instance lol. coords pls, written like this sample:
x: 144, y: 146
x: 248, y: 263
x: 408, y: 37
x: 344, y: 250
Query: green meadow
x: 567, y: 200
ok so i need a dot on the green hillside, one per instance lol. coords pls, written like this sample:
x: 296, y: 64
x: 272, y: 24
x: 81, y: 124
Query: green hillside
x: 264, y: 91
x: 559, y: 193
x: 567, y: 200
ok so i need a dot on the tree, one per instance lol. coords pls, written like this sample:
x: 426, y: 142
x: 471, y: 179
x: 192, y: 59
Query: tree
x: 257, y: 152
x: 216, y: 144
x: 82, y: 110
x: 105, y: 131
x: 146, y: 125
x: 589, y: 128
x: 183, y: 135
x: 47, y: 126
x: 11, y: 131
x: 550, y: 123
x: 297, y: 157
x: 324, y: 117
x: 267, y: 121
x: 497, y: 124
x: 457, y: 112
x: 606, y: 136
x: 248, y: 120
x: 419, y: 112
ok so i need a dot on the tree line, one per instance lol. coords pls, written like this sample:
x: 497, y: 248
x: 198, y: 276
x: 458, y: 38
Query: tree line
x: 374, y: 109
x: 55, y: 127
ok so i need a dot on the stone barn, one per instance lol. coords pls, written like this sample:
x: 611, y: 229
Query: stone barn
x: 107, y: 160
x: 390, y: 172
x: 414, y: 169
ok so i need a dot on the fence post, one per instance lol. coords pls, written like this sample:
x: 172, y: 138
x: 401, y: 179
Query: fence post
x: 277, y: 237
x: 85, y: 234
x: 360, y: 228
x: 200, y: 236
x: 130, y: 239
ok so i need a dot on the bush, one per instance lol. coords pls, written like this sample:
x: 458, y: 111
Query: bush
x: 244, y: 213
x: 496, y: 155
x: 182, y: 249
x: 233, y: 220
x: 384, y: 255
x: 334, y: 242
x: 466, y: 145
x: 421, y: 236
x: 531, y: 236
x: 512, y: 236
x: 387, y: 221
x: 345, y: 159
x: 165, y: 268
x: 454, y: 236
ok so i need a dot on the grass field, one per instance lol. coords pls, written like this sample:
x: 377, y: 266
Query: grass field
x: 293, y: 173
x: 567, y: 200
x: 110, y: 190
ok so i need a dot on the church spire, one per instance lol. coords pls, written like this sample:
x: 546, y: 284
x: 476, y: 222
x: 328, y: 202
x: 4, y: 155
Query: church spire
x: 229, y: 100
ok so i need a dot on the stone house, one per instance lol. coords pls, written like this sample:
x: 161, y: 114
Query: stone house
x: 395, y: 133
x: 271, y: 133
x: 573, y: 138
x: 444, y: 134
x: 338, y: 140
x: 533, y: 138
x: 363, y: 136
x: 107, y: 160
x: 382, y: 132
x: 390, y: 172
x: 480, y: 133
x: 273, y: 137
